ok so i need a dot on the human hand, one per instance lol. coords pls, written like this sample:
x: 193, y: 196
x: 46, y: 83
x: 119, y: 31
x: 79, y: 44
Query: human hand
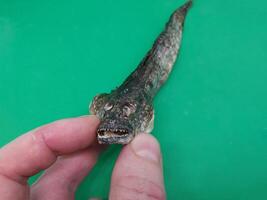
x: 67, y: 151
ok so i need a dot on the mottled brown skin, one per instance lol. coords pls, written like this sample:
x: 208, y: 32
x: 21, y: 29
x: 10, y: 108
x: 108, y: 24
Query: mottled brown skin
x: 128, y: 110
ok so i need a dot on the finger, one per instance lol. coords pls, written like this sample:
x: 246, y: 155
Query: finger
x: 138, y: 171
x: 38, y: 149
x: 62, y: 178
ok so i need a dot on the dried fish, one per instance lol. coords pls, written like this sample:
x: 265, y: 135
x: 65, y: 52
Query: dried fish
x: 128, y: 110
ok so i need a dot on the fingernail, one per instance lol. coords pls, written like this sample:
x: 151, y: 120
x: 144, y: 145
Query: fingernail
x: 147, y: 147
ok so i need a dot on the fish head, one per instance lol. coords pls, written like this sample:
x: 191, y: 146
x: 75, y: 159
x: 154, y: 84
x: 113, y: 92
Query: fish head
x: 121, y: 119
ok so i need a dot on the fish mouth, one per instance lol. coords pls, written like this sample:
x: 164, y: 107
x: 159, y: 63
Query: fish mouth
x: 114, y: 136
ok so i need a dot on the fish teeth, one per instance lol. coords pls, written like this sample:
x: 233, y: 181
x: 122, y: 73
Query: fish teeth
x: 113, y: 131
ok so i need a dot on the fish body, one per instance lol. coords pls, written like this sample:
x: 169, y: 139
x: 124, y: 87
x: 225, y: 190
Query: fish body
x: 128, y: 110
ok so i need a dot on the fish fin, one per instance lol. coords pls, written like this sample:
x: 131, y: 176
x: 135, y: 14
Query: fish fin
x: 150, y: 126
x: 98, y: 102
x: 148, y: 123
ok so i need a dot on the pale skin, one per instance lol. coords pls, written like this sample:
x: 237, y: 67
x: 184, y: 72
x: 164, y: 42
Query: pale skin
x: 67, y: 150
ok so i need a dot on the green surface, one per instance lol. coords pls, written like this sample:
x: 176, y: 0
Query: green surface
x: 211, y: 116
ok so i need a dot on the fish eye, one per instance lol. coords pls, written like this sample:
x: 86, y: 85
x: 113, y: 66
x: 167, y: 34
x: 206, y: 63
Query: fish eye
x: 108, y: 106
x: 129, y: 108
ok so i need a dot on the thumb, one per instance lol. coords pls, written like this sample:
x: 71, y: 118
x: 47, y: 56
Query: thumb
x: 138, y: 171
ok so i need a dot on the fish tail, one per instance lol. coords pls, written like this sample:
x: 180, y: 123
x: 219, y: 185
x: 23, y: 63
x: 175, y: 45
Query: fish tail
x: 181, y: 12
x: 155, y: 68
x: 166, y: 48
x: 184, y: 9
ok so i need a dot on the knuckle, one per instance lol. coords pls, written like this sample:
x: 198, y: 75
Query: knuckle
x: 134, y: 187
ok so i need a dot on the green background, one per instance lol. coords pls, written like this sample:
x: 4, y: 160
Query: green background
x: 211, y: 116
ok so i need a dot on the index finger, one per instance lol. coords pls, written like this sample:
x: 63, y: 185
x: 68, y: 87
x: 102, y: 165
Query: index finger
x: 38, y: 149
